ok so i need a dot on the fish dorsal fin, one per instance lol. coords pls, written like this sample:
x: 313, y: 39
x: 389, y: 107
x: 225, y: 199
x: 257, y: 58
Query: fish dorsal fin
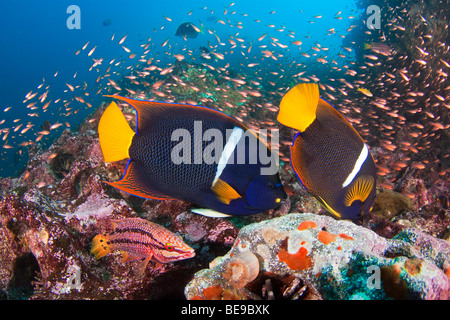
x: 224, y: 192
x: 150, y: 112
x: 210, y: 213
x: 146, y: 111
x: 298, y: 106
x: 133, y: 183
x: 118, y: 224
x: 359, y: 190
x: 115, y: 134
x: 326, y: 110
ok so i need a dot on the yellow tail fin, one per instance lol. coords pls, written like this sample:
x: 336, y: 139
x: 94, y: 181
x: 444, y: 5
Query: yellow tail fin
x: 298, y: 106
x: 115, y: 134
x: 99, y: 246
x: 367, y: 46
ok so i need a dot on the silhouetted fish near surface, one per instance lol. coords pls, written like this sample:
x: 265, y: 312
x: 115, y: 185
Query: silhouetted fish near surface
x: 329, y: 157
x: 107, y: 22
x: 46, y: 125
x: 212, y: 18
x: 225, y: 177
x: 204, y: 49
x: 187, y: 30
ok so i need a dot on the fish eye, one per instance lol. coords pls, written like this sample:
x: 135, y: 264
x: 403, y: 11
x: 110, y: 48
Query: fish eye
x: 169, y: 246
x: 278, y: 200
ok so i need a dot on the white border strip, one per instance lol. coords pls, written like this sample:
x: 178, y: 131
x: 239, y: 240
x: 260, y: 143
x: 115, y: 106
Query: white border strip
x: 362, y: 157
x: 231, y: 144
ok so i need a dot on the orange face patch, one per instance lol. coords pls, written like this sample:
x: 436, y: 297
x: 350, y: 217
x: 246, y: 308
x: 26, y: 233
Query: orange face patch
x: 306, y: 225
x: 326, y: 237
x: 296, y: 261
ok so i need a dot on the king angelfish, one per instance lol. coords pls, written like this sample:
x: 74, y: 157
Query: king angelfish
x: 329, y: 157
x: 223, y: 173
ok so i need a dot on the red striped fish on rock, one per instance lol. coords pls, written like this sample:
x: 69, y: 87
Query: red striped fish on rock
x: 137, y: 239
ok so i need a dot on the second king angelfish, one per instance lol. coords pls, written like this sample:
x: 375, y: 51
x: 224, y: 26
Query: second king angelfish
x: 328, y: 155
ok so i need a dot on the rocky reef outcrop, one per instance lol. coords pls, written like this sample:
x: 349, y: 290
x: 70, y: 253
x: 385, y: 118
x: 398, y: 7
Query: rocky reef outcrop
x: 309, y: 256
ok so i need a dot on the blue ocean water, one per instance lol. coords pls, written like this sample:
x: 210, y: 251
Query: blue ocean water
x: 39, y: 51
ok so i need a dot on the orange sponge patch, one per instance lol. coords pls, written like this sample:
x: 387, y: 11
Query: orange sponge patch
x: 296, y: 261
x: 306, y: 225
x: 345, y: 236
x: 213, y: 292
x: 447, y: 272
x: 326, y: 237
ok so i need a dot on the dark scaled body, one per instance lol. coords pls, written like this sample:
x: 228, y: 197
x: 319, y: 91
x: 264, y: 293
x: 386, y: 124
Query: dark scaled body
x: 199, y: 155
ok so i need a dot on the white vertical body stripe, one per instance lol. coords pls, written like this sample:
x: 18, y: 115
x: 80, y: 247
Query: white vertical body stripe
x: 231, y: 144
x: 358, y: 164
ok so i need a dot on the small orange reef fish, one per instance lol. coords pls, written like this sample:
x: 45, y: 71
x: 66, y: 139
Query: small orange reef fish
x: 137, y: 239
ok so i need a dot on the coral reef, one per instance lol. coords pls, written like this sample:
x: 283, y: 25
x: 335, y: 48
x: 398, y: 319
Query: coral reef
x: 49, y: 215
x: 51, y: 212
x: 388, y: 204
x: 196, y: 84
x: 58, y: 203
x: 332, y: 260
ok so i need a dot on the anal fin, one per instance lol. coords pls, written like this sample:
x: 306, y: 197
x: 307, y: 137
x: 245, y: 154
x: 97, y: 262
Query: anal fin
x: 127, y: 257
x: 133, y: 183
x: 140, y: 270
x: 328, y: 207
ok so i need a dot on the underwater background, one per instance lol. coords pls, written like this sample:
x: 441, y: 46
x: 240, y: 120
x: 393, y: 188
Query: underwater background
x: 39, y: 45
x: 389, y: 81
